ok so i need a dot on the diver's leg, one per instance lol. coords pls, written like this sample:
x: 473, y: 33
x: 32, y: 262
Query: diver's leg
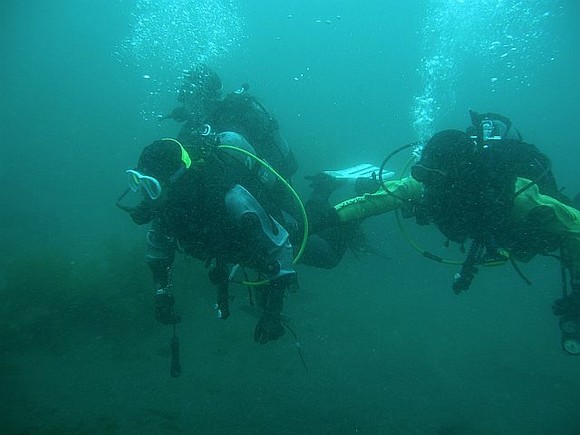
x: 270, y: 252
x: 266, y: 242
x: 159, y: 257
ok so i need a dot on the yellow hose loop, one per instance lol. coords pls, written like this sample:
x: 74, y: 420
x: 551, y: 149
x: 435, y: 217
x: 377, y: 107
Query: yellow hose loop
x: 294, y: 194
x: 184, y: 154
x: 410, y: 240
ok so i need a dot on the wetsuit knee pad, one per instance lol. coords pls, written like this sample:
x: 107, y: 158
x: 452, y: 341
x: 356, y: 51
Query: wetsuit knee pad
x: 245, y: 210
x: 266, y: 234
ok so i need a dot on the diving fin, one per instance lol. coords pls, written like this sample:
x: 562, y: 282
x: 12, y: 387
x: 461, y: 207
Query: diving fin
x: 364, y: 170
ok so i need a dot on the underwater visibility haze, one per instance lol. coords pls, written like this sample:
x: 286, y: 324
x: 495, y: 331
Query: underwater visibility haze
x: 387, y: 347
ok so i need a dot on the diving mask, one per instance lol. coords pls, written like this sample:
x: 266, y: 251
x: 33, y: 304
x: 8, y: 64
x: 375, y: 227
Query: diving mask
x: 138, y: 181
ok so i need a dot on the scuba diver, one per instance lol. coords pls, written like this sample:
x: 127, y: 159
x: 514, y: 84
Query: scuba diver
x: 489, y: 187
x: 203, y: 107
x: 205, y: 112
x: 199, y: 204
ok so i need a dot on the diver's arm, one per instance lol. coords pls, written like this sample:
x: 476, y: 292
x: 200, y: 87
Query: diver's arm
x: 561, y: 220
x: 160, y: 255
x: 289, y: 164
x: 564, y: 222
x: 141, y: 214
x: 372, y: 204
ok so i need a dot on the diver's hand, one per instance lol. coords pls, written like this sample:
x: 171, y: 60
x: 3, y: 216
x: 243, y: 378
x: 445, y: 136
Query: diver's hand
x: 164, y: 303
x: 179, y: 114
x: 269, y: 327
x: 364, y: 185
x: 142, y: 214
x: 323, y: 183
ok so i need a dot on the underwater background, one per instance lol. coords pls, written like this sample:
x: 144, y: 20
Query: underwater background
x: 388, y: 348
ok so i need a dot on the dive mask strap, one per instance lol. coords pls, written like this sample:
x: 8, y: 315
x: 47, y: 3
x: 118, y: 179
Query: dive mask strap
x: 184, y: 154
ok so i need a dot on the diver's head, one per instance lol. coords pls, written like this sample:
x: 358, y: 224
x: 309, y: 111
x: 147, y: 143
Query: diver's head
x: 160, y: 164
x: 160, y: 160
x: 200, y: 91
x: 443, y: 157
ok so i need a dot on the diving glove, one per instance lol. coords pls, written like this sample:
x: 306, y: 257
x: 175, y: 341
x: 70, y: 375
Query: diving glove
x: 323, y: 185
x: 164, y: 302
x: 179, y: 114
